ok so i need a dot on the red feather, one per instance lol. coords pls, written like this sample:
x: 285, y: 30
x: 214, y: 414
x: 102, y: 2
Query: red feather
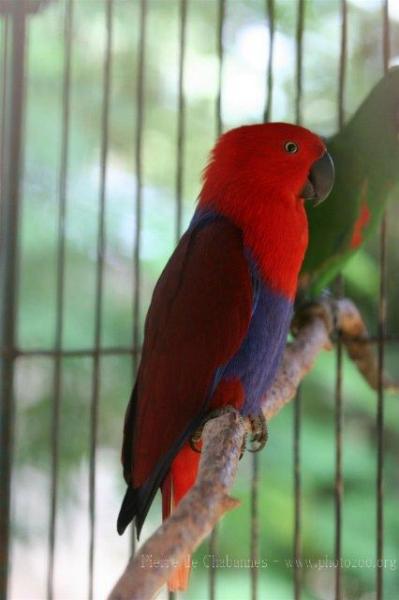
x: 202, y: 306
x: 255, y: 183
x: 198, y: 317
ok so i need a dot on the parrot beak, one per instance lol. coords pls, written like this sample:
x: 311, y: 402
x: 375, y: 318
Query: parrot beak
x: 320, y: 180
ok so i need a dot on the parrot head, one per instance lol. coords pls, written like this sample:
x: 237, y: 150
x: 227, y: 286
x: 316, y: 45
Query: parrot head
x: 255, y: 166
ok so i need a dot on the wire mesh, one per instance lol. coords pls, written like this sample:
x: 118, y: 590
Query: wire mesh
x: 12, y: 108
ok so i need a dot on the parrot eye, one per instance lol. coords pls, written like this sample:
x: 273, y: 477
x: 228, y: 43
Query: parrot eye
x: 291, y: 147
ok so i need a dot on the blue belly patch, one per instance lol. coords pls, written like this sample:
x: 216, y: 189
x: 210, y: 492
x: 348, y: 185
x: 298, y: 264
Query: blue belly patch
x: 256, y: 362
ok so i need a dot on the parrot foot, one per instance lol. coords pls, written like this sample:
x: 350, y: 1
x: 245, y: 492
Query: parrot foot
x: 258, y: 435
x: 195, y: 439
x: 324, y: 308
x: 259, y: 432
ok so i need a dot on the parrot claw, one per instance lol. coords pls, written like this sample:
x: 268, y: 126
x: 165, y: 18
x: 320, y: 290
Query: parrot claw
x: 195, y: 439
x: 258, y: 436
x: 259, y: 433
x: 324, y: 308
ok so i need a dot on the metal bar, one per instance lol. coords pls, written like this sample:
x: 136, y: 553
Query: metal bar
x: 140, y: 101
x: 123, y: 350
x: 340, y: 288
x: 342, y: 64
x: 73, y: 352
x: 382, y: 314
x: 57, y: 381
x: 255, y: 477
x: 139, y: 170
x: 297, y: 549
x: 101, y: 240
x: 213, y: 538
x: 297, y: 495
x: 28, y: 7
x: 220, y: 52
x: 3, y: 134
x: 255, y: 526
x: 180, y: 118
x: 8, y: 272
x: 5, y: 435
x: 180, y: 134
x: 269, y: 93
x: 386, y: 41
x: 380, y: 416
x: 338, y: 480
x: 299, y: 60
x: 115, y: 350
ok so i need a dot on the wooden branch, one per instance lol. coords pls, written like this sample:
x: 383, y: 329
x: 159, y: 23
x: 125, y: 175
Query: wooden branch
x: 223, y: 439
x: 356, y: 341
x: 194, y: 517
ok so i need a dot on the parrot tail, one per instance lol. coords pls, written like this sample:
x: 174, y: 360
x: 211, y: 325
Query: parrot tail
x: 179, y: 480
x: 128, y: 510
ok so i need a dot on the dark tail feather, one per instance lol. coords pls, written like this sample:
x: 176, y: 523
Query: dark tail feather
x: 128, y: 510
x: 137, y: 502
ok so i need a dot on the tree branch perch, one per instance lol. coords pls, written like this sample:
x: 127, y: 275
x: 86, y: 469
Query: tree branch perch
x: 223, y: 437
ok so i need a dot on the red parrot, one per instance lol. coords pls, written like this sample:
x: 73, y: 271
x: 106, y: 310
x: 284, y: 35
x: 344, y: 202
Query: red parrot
x: 220, y: 313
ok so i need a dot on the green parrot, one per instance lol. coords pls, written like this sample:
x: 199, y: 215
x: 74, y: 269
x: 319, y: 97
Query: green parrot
x: 366, y: 157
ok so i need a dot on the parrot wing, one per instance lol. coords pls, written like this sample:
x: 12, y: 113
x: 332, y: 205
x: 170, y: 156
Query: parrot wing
x: 199, y: 315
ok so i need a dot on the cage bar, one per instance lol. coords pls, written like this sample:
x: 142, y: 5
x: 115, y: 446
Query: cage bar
x: 101, y: 242
x: 60, y: 285
x: 342, y: 63
x: 140, y: 90
x: 297, y: 542
x: 300, y: 24
x: 4, y: 79
x: 255, y: 526
x: 180, y: 117
x: 221, y: 15
x: 339, y: 288
x: 380, y: 417
x: 182, y: 18
x: 269, y: 76
x: 138, y: 196
x: 13, y: 112
x: 71, y: 352
x: 123, y: 350
x: 382, y: 315
x: 338, y: 479
x: 220, y: 53
x: 255, y: 473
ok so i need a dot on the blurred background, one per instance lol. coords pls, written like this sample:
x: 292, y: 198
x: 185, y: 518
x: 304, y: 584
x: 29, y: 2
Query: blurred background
x: 120, y: 197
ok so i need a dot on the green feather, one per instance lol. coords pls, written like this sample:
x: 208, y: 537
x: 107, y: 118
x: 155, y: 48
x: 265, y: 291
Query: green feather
x: 366, y: 158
